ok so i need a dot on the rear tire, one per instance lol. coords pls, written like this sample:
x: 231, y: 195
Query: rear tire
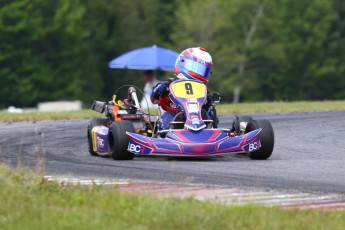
x: 266, y: 139
x: 94, y: 122
x: 118, y: 140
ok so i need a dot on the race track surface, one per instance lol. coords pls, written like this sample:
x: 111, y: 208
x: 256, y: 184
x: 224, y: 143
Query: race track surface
x: 309, y: 155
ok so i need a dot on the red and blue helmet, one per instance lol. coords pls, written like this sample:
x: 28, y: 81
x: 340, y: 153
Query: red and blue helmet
x: 194, y: 63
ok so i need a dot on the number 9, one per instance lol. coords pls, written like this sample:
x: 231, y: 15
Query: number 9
x: 189, y: 89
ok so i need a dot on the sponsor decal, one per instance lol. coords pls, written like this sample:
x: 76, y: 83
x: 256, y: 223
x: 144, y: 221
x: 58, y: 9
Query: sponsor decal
x: 195, y: 121
x: 100, y: 142
x: 134, y: 148
x: 192, y: 108
x: 138, y: 149
x: 253, y: 146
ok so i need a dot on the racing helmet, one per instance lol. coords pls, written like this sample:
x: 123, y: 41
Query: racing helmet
x: 194, y: 63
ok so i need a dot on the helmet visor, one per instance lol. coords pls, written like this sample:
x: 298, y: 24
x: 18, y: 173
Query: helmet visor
x: 196, y: 67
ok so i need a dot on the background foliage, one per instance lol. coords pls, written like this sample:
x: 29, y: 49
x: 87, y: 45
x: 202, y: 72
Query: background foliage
x: 263, y: 50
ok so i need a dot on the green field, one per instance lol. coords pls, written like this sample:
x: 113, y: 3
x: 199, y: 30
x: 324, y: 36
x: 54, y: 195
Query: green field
x: 281, y: 107
x: 29, y: 202
x: 242, y: 108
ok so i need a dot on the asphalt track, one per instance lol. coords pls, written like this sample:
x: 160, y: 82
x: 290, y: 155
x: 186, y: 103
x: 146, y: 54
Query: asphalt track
x: 309, y: 155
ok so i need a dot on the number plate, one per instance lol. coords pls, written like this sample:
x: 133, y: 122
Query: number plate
x: 188, y: 89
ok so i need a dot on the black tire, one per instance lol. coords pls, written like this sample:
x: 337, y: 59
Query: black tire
x: 266, y: 139
x: 94, y: 122
x: 238, y: 119
x: 118, y: 141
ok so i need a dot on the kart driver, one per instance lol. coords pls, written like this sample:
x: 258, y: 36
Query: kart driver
x: 194, y: 64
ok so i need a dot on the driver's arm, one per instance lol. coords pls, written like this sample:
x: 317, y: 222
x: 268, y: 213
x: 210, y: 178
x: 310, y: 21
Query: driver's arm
x: 160, y: 90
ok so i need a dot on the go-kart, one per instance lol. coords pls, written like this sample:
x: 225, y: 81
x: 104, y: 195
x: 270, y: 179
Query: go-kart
x: 128, y: 131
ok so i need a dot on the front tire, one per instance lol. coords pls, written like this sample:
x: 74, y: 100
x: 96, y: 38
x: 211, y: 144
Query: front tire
x: 118, y: 140
x: 94, y: 122
x: 266, y: 139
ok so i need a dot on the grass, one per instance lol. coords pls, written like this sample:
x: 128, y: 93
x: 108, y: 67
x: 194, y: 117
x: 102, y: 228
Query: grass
x: 39, y: 116
x: 29, y: 202
x: 242, y: 108
x: 281, y: 107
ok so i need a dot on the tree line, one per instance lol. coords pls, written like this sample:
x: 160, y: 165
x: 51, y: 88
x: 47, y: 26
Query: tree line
x: 263, y: 50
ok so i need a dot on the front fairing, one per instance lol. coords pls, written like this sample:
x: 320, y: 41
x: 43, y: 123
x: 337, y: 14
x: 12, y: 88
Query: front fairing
x: 206, y: 142
x: 190, y: 95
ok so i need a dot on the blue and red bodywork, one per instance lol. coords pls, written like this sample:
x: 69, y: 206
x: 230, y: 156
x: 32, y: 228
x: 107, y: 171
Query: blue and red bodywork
x: 205, y: 142
x: 100, y: 144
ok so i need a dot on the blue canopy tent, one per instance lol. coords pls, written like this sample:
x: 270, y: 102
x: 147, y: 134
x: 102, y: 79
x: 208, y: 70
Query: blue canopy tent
x: 146, y: 58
